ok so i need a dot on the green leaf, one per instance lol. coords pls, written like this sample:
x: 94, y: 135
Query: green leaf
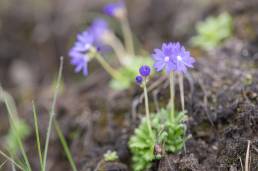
x: 110, y: 156
x: 212, y: 31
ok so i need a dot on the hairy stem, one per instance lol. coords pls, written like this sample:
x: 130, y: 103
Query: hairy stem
x: 107, y: 67
x: 118, y: 48
x: 147, y: 105
x: 181, y: 87
x: 172, y: 96
x: 128, y: 36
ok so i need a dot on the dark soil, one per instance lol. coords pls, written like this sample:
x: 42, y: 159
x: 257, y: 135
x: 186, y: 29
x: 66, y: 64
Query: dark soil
x: 223, y: 113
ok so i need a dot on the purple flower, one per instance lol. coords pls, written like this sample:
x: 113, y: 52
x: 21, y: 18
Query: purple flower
x: 145, y: 70
x: 84, y: 42
x: 78, y: 53
x: 100, y: 32
x: 115, y: 9
x: 172, y: 57
x: 80, y: 61
x: 164, y: 58
x: 99, y: 27
x: 182, y: 58
x: 138, y: 79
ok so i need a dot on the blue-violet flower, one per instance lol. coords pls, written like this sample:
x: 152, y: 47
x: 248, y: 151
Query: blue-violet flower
x: 101, y: 33
x: 138, y: 79
x: 172, y: 57
x: 182, y: 58
x: 145, y: 70
x: 115, y: 9
x: 78, y: 53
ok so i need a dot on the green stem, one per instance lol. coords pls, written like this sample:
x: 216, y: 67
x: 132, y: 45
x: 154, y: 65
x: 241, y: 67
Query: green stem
x: 172, y: 96
x: 127, y: 35
x: 107, y: 67
x: 118, y: 48
x: 181, y: 87
x: 52, y: 113
x: 37, y: 135
x: 65, y: 145
x: 147, y: 105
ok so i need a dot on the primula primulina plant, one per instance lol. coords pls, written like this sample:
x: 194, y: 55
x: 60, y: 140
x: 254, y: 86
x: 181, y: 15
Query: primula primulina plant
x: 162, y: 132
x: 110, y: 156
x: 99, y: 39
x: 213, y: 31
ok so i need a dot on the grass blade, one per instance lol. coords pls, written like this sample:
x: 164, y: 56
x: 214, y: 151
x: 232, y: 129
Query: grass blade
x: 37, y: 135
x: 3, y: 164
x: 12, y: 123
x: 52, y: 113
x: 65, y: 146
x: 11, y: 160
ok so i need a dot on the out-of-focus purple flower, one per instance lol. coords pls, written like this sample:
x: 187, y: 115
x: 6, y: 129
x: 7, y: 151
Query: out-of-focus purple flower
x: 182, y: 58
x: 116, y: 9
x: 80, y: 61
x: 78, y: 53
x: 138, y: 79
x: 164, y: 58
x: 145, y: 70
x: 84, y: 42
x: 98, y: 28
x: 101, y: 33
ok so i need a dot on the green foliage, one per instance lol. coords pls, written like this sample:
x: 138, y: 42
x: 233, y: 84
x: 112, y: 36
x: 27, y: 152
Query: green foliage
x: 129, y: 71
x: 110, y: 156
x: 175, y: 130
x: 213, y: 31
x: 142, y: 145
x: 169, y: 134
x: 21, y: 131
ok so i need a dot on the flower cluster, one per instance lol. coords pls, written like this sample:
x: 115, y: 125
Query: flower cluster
x: 88, y: 41
x: 172, y: 57
x: 144, y: 72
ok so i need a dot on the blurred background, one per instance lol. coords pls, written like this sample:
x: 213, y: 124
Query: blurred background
x: 35, y: 33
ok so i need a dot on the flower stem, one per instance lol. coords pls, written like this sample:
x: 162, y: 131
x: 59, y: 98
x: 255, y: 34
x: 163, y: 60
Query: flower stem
x: 127, y: 35
x: 181, y: 87
x: 172, y: 96
x: 147, y: 105
x: 107, y: 67
x: 118, y: 48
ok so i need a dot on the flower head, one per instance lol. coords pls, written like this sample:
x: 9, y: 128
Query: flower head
x: 84, y: 42
x: 78, y: 53
x: 145, y: 70
x: 182, y: 58
x: 164, y: 58
x: 172, y: 57
x: 98, y: 28
x: 138, y: 79
x: 116, y: 9
x: 101, y: 34
x: 80, y: 61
